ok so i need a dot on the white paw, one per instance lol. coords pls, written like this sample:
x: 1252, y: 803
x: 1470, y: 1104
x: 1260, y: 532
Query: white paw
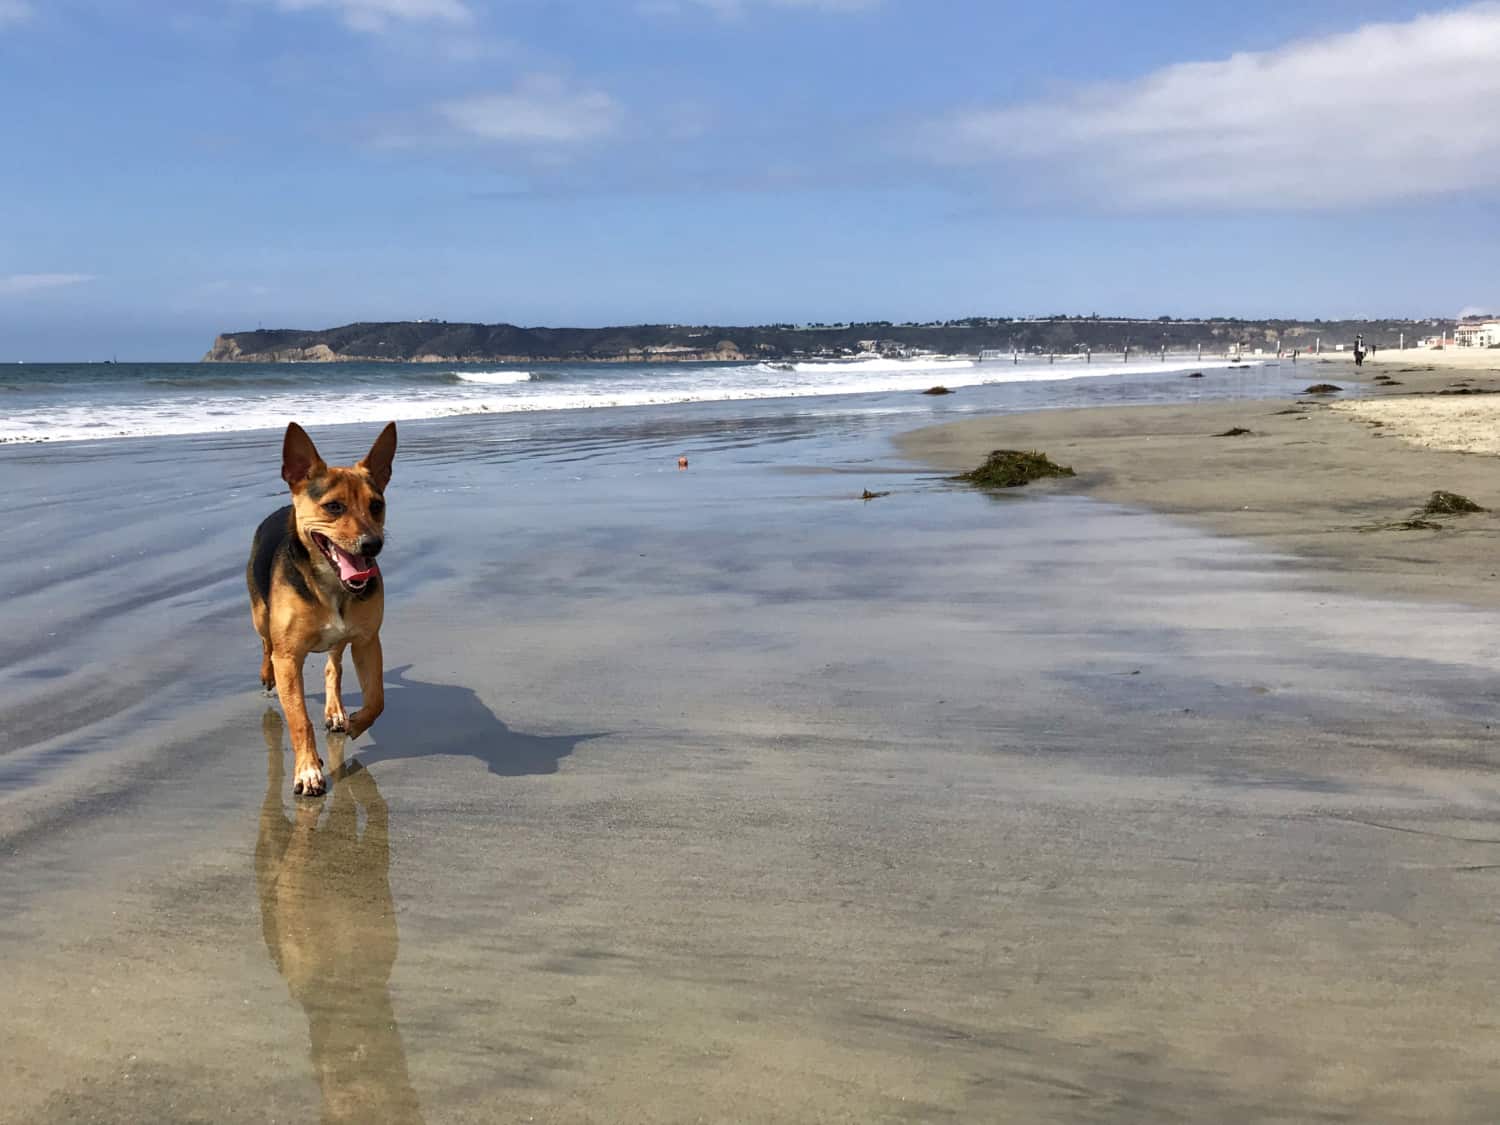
x: 310, y: 782
x: 334, y: 718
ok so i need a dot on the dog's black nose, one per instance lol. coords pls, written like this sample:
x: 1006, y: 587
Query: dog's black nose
x: 370, y: 545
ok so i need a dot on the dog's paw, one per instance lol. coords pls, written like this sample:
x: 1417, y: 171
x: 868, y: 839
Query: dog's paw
x: 361, y: 721
x: 310, y: 782
x: 334, y: 719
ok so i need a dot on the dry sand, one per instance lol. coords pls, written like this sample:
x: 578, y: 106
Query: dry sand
x: 1460, y: 360
x: 1460, y: 424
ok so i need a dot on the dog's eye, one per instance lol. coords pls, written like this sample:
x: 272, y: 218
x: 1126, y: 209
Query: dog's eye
x: 334, y: 508
x: 377, y: 508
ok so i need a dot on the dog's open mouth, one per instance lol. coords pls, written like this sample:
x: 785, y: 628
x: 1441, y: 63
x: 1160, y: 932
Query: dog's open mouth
x: 355, y: 571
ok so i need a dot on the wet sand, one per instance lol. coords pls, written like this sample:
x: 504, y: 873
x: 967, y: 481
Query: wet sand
x: 723, y: 795
x: 1324, y: 479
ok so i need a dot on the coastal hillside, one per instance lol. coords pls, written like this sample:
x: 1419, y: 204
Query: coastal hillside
x: 443, y: 342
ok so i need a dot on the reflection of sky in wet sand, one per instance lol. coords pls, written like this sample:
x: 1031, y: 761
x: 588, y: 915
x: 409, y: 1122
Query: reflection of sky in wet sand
x: 330, y: 928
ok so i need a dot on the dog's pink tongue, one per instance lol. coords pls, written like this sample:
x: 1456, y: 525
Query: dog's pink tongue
x: 353, y: 568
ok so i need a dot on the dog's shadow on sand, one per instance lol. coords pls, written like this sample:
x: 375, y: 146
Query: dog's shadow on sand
x: 423, y: 720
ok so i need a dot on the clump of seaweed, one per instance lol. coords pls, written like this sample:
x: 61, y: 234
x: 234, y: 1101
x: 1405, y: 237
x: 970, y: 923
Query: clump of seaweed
x: 937, y: 390
x: 1442, y: 503
x: 1289, y: 410
x: 1323, y: 389
x: 1196, y: 375
x: 1233, y: 431
x: 1011, y: 468
x: 868, y: 495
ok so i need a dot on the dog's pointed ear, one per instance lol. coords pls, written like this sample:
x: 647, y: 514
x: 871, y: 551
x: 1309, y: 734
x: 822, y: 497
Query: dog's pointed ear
x: 299, y: 458
x: 377, y: 462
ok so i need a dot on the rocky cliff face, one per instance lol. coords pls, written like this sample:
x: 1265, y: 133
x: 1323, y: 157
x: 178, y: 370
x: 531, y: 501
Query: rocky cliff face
x: 227, y: 349
x: 436, y: 342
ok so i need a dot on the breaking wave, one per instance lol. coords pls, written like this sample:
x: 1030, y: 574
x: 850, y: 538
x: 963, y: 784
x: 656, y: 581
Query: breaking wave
x: 493, y: 378
x: 78, y: 403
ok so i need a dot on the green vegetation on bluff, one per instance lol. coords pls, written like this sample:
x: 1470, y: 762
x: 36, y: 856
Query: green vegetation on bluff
x: 408, y: 341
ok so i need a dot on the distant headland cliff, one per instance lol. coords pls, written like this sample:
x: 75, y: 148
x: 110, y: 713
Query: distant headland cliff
x: 437, y: 341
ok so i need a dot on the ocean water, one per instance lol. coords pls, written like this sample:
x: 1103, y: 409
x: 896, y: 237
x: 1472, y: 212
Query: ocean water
x: 85, y: 402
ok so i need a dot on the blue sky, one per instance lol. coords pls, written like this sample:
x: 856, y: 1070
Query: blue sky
x: 169, y: 170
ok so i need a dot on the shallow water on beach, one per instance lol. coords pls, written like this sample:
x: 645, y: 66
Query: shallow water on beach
x: 725, y: 795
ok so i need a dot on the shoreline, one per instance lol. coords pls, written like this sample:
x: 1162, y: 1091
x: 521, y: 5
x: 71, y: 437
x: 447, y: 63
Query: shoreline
x: 1323, y: 480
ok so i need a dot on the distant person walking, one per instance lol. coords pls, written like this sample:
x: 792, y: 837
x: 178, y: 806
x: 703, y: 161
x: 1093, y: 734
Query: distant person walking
x: 1359, y: 350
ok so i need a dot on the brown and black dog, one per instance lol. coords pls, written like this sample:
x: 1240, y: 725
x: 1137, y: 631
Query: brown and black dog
x: 315, y: 587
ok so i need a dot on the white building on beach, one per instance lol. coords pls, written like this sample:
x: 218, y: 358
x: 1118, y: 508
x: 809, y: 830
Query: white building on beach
x: 1477, y: 334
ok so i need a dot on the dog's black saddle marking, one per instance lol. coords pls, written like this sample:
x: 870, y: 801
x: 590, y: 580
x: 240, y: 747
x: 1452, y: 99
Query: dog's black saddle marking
x: 275, y: 541
x: 273, y: 531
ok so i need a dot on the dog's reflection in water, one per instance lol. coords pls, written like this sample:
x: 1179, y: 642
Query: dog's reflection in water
x: 330, y: 926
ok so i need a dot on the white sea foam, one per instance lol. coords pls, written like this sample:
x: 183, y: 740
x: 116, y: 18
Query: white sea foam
x: 479, y: 392
x: 494, y: 378
x: 922, y: 363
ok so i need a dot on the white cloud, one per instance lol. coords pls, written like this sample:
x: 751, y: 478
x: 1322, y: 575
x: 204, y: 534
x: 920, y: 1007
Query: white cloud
x: 377, y: 15
x: 32, y: 282
x: 539, y: 110
x: 1386, y: 112
x: 826, y: 5
x: 250, y: 288
x: 733, y: 8
x: 14, y: 11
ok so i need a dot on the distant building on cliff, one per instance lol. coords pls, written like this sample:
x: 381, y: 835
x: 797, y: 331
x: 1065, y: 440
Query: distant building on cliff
x: 1477, y: 333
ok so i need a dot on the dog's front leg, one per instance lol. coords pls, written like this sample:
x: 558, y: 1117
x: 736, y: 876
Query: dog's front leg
x: 367, y: 664
x: 307, y: 767
x: 334, y: 718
